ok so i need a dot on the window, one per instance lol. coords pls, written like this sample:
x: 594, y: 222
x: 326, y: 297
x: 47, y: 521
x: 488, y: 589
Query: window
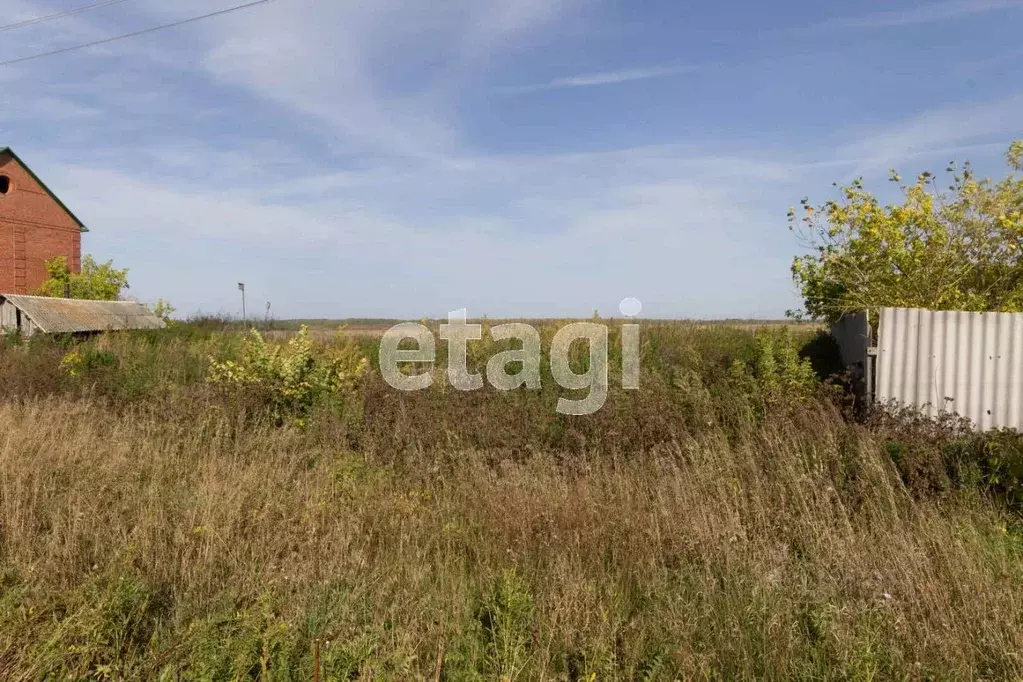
x: 5, y: 184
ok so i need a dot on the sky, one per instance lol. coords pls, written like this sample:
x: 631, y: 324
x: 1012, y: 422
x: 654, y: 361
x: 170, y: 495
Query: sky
x: 512, y: 157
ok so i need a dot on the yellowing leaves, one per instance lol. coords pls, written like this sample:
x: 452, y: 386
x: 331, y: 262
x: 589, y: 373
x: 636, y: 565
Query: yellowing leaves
x: 957, y: 249
x: 293, y: 376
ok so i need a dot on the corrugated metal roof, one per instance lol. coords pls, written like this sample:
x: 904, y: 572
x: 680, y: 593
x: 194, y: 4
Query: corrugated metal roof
x: 967, y: 363
x: 65, y: 315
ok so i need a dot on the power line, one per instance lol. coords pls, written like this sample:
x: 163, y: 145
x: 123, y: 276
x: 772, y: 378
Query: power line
x: 124, y: 36
x: 59, y: 15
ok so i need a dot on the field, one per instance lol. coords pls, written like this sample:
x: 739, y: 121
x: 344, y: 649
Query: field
x: 735, y: 518
x: 377, y: 327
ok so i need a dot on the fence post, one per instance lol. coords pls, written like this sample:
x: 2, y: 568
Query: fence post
x: 871, y: 360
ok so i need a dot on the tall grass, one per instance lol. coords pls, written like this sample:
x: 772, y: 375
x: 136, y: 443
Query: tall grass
x: 684, y: 532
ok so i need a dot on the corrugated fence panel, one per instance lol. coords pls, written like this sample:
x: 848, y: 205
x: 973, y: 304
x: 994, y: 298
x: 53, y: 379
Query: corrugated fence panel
x: 853, y: 336
x: 967, y: 363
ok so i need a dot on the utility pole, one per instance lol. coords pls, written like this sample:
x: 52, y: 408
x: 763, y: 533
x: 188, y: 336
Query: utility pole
x: 241, y: 288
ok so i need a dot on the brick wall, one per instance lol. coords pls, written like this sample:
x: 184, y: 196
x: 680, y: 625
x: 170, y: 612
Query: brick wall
x: 33, y: 229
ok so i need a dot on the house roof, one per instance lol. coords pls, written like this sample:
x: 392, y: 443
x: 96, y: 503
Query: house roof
x: 66, y: 315
x: 8, y: 150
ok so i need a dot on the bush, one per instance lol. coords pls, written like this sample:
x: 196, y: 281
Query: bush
x: 774, y: 374
x: 86, y: 360
x: 295, y: 377
x: 944, y: 454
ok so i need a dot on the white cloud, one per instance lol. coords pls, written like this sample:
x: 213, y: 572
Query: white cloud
x: 330, y: 63
x: 336, y: 63
x: 59, y: 110
x: 938, y: 130
x: 320, y: 61
x: 603, y: 78
x: 400, y: 215
x: 492, y: 24
x: 922, y: 14
x: 561, y: 234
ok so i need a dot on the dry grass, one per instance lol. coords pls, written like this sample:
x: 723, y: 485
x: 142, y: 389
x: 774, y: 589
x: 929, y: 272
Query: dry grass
x: 374, y: 329
x: 140, y: 545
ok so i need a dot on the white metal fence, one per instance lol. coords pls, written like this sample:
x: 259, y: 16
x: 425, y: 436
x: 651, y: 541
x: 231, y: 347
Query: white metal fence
x: 970, y: 364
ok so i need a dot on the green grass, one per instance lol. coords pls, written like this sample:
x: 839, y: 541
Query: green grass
x: 716, y: 524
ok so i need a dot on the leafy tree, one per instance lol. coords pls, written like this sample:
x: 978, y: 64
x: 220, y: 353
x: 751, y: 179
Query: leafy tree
x: 96, y: 281
x: 954, y: 249
x: 163, y: 309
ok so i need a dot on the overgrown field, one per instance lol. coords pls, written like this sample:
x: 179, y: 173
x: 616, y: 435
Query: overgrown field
x: 732, y: 519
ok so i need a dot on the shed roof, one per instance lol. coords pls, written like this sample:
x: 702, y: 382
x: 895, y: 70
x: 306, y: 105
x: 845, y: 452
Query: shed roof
x: 8, y: 150
x: 65, y: 315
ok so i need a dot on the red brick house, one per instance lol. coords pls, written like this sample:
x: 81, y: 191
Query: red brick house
x: 35, y: 226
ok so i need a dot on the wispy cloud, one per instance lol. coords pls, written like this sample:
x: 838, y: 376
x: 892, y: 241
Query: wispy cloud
x: 337, y: 137
x: 921, y: 14
x: 982, y: 127
x: 56, y: 110
x: 332, y: 61
x: 603, y: 78
x: 491, y: 25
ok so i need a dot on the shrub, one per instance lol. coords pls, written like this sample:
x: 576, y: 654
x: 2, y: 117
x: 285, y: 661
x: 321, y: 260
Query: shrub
x: 87, y: 359
x: 775, y: 373
x: 292, y: 378
x: 938, y: 455
x: 992, y: 461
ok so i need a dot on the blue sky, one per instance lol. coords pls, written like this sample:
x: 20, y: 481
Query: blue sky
x: 513, y: 157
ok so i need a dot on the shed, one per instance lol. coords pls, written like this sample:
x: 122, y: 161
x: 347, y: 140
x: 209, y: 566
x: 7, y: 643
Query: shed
x: 32, y: 314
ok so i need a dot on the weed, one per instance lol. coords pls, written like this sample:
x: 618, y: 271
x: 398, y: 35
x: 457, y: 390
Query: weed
x: 718, y: 523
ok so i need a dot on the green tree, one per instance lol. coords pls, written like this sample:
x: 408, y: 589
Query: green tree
x: 163, y: 309
x: 954, y: 249
x: 96, y: 281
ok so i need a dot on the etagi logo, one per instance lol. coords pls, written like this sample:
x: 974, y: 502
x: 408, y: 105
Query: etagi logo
x: 458, y: 332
